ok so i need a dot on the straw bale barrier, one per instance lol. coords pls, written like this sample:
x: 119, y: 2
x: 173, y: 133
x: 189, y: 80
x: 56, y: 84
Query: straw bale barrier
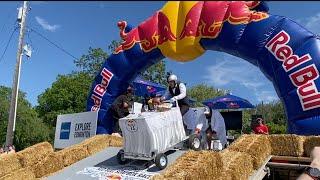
x: 193, y: 165
x: 116, y: 141
x: 257, y: 146
x: 9, y: 163
x: 236, y: 165
x: 72, y: 154
x: 24, y: 173
x: 286, y: 144
x: 309, y: 143
x: 34, y: 154
x: 50, y: 164
x: 100, y: 142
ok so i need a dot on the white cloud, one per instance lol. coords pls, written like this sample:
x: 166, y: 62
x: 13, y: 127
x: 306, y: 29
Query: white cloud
x: 45, y: 25
x: 311, y: 23
x: 231, y: 70
x: 266, y: 96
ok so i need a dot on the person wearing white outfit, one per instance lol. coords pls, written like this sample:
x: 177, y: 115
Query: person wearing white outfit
x: 217, y: 126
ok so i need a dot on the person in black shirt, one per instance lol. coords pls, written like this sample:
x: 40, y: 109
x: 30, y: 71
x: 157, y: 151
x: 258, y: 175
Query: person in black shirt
x: 120, y: 108
x: 177, y: 91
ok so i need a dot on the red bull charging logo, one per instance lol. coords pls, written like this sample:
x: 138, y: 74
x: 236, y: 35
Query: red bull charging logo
x: 178, y: 27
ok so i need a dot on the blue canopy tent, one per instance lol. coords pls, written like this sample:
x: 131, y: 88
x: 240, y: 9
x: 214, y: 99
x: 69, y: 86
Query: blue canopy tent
x: 228, y: 102
x: 143, y: 87
x: 233, y: 119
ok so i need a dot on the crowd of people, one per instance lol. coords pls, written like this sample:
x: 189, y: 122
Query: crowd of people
x: 8, y: 150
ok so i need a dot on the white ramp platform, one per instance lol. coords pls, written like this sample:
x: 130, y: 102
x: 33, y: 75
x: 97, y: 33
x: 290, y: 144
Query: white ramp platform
x: 104, y: 165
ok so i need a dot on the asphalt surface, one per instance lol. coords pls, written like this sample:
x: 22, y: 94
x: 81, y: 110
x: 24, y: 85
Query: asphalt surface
x: 104, y: 165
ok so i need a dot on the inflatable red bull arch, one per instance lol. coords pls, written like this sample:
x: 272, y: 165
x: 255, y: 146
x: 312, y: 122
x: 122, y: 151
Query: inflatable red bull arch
x: 287, y: 54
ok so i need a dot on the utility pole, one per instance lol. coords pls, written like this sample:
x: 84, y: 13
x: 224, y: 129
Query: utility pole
x: 15, y: 87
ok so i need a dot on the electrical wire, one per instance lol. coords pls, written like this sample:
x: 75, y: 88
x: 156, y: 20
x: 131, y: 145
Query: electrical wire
x: 57, y: 46
x: 5, y: 50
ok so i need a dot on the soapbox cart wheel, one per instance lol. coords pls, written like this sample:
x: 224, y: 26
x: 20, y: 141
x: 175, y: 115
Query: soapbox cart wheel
x: 195, y: 142
x: 120, y: 157
x: 161, y: 161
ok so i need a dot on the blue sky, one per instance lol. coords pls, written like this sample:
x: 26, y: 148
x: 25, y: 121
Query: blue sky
x: 76, y: 26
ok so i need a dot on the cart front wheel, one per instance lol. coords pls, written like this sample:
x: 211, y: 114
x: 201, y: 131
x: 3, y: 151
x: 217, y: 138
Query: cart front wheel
x: 161, y: 161
x: 120, y: 157
x: 195, y: 142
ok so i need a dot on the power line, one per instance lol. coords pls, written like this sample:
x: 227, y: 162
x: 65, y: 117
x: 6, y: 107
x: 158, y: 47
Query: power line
x: 5, y: 50
x: 8, y: 17
x: 57, y: 46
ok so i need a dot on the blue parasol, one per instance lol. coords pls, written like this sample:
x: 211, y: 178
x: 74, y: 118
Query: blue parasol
x: 143, y: 87
x: 228, y: 102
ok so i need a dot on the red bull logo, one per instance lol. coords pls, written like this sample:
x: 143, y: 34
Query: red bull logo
x: 209, y: 23
x: 154, y: 31
x: 178, y: 27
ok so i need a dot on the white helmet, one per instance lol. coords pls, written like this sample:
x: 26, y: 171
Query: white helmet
x: 206, y: 110
x: 172, y: 77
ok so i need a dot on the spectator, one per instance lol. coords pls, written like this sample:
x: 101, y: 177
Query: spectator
x: 120, y: 108
x: 261, y: 128
x: 12, y: 149
x: 313, y: 171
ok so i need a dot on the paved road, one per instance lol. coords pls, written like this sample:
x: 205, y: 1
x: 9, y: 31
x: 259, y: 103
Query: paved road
x: 104, y: 165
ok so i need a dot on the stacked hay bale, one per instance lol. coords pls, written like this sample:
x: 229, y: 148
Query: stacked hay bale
x: 193, y: 165
x: 72, y: 154
x: 9, y: 163
x: 309, y: 143
x: 100, y: 142
x: 286, y: 144
x: 34, y: 154
x: 50, y: 164
x: 257, y: 146
x: 236, y: 165
x: 40, y: 160
x: 24, y: 173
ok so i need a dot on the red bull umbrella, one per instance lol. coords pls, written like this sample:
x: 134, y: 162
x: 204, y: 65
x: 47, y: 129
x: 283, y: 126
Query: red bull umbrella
x: 228, y: 102
x: 143, y: 87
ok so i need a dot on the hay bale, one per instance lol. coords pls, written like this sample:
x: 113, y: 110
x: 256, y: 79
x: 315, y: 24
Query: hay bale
x: 116, y: 141
x: 34, y: 154
x: 286, y: 144
x: 9, y: 163
x: 24, y: 173
x: 72, y: 154
x: 257, y: 146
x: 193, y: 165
x: 52, y: 163
x: 100, y: 142
x: 236, y: 165
x: 309, y: 143
x: 96, y: 143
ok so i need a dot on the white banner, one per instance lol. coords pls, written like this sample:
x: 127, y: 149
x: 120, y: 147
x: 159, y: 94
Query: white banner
x: 73, y: 128
x: 118, y: 173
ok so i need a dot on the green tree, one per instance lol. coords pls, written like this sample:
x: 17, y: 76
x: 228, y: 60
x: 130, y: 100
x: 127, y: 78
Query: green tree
x: 202, y: 92
x: 156, y: 73
x: 92, y: 62
x: 68, y: 94
x: 29, y: 128
x: 113, y: 45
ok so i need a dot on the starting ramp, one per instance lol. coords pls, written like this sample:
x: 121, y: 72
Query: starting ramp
x: 103, y: 166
